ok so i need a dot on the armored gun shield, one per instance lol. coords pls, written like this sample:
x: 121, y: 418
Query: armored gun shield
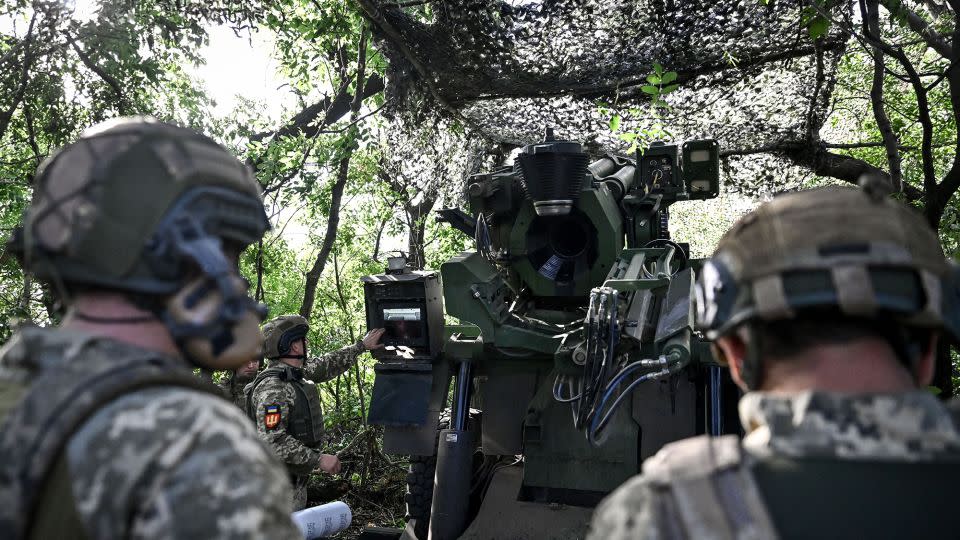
x: 580, y: 351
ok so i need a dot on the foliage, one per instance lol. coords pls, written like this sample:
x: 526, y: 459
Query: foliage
x: 790, y: 86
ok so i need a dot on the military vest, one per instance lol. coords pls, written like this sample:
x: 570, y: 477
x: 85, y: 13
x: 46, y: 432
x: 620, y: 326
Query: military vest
x: 710, y: 488
x: 306, y: 414
x: 51, y: 382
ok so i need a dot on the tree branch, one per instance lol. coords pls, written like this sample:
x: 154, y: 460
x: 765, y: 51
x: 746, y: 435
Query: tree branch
x: 932, y: 205
x: 408, y: 3
x: 106, y: 77
x: 951, y: 181
x: 871, y: 25
x: 28, y: 57
x: 815, y: 157
x: 332, y: 109
x: 373, y: 12
x: 336, y: 195
x: 920, y: 26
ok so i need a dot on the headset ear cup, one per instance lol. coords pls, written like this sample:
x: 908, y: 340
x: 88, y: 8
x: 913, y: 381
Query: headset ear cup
x: 246, y: 343
x: 196, y: 315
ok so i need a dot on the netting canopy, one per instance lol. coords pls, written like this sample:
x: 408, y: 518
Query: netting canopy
x: 749, y: 74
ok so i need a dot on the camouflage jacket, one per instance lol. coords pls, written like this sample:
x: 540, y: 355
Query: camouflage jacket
x: 328, y: 366
x: 157, y: 462
x: 233, y: 390
x: 299, y: 458
x: 907, y: 427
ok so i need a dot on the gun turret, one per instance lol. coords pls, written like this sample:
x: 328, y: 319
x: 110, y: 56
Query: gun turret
x: 579, y: 348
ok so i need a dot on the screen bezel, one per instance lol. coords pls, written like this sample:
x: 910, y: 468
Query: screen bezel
x: 419, y: 343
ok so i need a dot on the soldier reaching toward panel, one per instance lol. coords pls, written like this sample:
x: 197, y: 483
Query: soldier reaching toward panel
x: 284, y: 401
x: 106, y: 431
x: 826, y: 305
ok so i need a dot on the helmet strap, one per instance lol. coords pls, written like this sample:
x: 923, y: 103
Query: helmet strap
x: 751, y: 371
x: 907, y: 348
x: 187, y: 239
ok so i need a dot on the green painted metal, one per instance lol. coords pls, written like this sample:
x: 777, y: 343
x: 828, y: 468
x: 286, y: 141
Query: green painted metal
x: 604, y: 216
x: 474, y: 291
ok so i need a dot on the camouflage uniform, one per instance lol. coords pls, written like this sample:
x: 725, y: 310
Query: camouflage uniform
x: 140, y: 467
x: 299, y: 458
x: 906, y: 427
x: 232, y: 388
x: 100, y: 438
x: 813, y: 464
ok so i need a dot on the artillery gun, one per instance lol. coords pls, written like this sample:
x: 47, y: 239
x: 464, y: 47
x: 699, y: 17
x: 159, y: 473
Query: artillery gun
x: 580, y: 358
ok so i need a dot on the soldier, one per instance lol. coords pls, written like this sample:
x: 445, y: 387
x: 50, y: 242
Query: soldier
x: 106, y: 431
x: 284, y: 401
x: 233, y: 384
x: 826, y: 305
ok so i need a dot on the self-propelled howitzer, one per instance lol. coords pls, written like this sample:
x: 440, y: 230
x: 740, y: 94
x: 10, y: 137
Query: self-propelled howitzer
x: 580, y: 359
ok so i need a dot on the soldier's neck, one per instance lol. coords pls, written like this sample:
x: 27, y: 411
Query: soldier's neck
x: 292, y: 362
x: 864, y: 366
x: 90, y: 313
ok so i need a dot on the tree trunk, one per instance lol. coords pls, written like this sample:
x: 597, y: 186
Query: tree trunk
x: 333, y: 221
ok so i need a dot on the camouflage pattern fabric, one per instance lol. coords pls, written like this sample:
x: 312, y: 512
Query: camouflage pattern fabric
x: 300, y: 491
x: 912, y: 426
x: 300, y: 459
x: 203, y: 472
x: 232, y: 388
x: 328, y: 366
x: 159, y: 461
x: 273, y: 401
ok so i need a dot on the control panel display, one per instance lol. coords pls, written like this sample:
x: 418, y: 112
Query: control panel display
x: 403, y: 324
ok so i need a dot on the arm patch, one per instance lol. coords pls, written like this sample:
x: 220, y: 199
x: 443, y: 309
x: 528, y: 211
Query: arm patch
x: 271, y: 415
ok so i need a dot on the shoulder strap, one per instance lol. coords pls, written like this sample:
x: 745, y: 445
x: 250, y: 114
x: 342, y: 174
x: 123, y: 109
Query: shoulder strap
x: 710, y: 489
x: 68, y: 387
x: 271, y: 372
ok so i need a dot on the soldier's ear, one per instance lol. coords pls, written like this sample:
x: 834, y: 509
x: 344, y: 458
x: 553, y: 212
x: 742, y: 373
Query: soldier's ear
x: 732, y: 349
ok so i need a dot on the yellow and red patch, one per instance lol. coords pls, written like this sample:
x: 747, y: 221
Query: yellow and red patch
x: 271, y: 416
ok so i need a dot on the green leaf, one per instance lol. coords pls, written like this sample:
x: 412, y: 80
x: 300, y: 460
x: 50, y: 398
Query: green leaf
x: 628, y: 136
x: 818, y: 27
x: 669, y: 88
x: 934, y: 390
x: 652, y: 90
x: 653, y: 79
x: 615, y: 122
x: 657, y: 68
x: 669, y: 77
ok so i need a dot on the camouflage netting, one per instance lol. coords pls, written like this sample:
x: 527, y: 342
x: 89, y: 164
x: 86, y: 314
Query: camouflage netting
x: 749, y: 74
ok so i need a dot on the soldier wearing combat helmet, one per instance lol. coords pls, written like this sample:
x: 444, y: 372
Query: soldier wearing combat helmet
x: 106, y: 431
x: 284, y: 401
x: 826, y: 305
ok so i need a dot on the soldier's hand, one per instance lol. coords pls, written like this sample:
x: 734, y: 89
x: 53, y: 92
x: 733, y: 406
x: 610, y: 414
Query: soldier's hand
x: 371, y: 341
x: 329, y: 464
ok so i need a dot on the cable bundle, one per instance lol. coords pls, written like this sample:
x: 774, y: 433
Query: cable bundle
x: 601, y: 381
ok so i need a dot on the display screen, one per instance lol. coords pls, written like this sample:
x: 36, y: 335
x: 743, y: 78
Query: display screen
x: 403, y: 323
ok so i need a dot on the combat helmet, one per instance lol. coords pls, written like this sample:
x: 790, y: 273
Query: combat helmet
x: 146, y: 207
x: 282, y: 332
x: 851, y: 250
